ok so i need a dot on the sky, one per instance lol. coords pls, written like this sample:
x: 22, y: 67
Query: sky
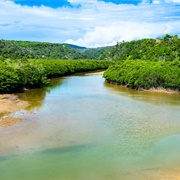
x: 89, y: 23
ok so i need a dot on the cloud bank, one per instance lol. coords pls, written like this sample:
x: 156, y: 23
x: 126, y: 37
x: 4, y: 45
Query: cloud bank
x: 89, y: 23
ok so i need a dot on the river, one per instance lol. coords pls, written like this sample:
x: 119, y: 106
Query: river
x: 84, y: 128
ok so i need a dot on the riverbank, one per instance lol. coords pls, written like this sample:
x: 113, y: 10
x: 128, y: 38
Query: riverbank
x: 98, y: 73
x: 10, y: 103
x: 156, y: 90
x: 9, y: 121
x: 161, y: 90
x: 141, y: 74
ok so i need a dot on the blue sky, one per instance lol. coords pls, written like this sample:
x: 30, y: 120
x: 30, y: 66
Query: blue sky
x: 49, y: 3
x: 90, y: 23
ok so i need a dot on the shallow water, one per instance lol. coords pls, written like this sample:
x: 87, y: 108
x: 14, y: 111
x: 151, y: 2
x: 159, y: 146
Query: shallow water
x: 84, y: 128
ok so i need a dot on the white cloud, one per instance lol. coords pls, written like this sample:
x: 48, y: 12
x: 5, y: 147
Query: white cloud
x: 82, y: 1
x: 165, y: 1
x: 110, y: 35
x: 95, y: 23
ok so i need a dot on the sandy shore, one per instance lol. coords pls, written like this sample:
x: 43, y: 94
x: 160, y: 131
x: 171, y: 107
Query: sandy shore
x: 9, y: 121
x: 100, y: 72
x: 10, y: 103
x: 161, y: 90
x: 155, y: 90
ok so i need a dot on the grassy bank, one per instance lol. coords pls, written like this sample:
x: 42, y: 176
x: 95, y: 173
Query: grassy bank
x: 18, y: 74
x: 139, y: 74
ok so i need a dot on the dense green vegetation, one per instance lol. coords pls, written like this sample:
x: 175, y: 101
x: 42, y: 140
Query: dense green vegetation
x: 44, y: 50
x: 81, y: 48
x: 17, y: 74
x: 161, y: 49
x: 158, y: 63
x: 96, y: 53
x: 141, y: 74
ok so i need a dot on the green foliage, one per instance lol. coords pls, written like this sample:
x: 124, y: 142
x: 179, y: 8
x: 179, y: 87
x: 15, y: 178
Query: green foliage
x: 145, y: 74
x: 29, y: 64
x: 9, y: 78
x: 17, y: 74
x: 96, y: 53
x: 158, y: 64
x: 11, y: 50
x: 161, y: 49
x: 27, y: 49
x: 56, y: 68
x: 45, y: 50
x: 164, y: 49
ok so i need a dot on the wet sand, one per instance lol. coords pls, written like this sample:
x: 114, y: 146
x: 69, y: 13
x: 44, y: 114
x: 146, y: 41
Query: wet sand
x: 161, y: 90
x: 9, y: 121
x: 100, y: 72
x: 10, y: 103
x: 155, y: 90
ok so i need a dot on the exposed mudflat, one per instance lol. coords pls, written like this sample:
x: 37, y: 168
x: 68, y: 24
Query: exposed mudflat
x: 9, y: 121
x: 10, y: 103
x: 100, y: 72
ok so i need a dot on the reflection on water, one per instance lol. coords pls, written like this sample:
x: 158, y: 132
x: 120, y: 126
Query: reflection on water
x: 83, y: 128
x: 36, y: 97
x: 158, y: 98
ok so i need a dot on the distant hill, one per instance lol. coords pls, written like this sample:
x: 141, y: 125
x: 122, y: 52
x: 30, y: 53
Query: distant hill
x: 161, y: 49
x: 97, y: 53
x: 75, y: 46
x: 28, y: 49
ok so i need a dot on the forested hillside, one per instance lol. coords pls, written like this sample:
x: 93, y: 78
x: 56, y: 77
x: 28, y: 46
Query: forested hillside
x: 96, y: 53
x: 146, y: 63
x: 140, y: 64
x: 81, y: 48
x: 161, y: 49
x: 27, y: 49
x: 166, y: 48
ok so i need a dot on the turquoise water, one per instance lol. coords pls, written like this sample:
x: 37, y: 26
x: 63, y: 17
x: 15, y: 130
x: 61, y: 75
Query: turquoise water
x: 84, y: 128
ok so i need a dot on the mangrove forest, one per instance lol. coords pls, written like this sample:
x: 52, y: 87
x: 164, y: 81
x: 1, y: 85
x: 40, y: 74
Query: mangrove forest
x: 138, y: 64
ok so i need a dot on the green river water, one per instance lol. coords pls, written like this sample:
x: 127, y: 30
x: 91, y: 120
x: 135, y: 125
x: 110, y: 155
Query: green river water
x: 83, y: 128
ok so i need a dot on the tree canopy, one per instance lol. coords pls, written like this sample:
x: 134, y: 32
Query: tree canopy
x: 166, y: 48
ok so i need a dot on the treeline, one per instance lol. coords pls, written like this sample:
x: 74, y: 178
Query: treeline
x: 36, y: 50
x: 56, y: 68
x: 15, y: 75
x: 139, y: 74
x: 97, y: 53
x: 158, y: 63
x: 160, y: 49
x: 146, y: 63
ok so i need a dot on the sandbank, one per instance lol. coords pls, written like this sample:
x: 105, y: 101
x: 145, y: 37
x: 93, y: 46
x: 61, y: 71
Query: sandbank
x: 9, y: 121
x: 100, y: 72
x: 10, y: 103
